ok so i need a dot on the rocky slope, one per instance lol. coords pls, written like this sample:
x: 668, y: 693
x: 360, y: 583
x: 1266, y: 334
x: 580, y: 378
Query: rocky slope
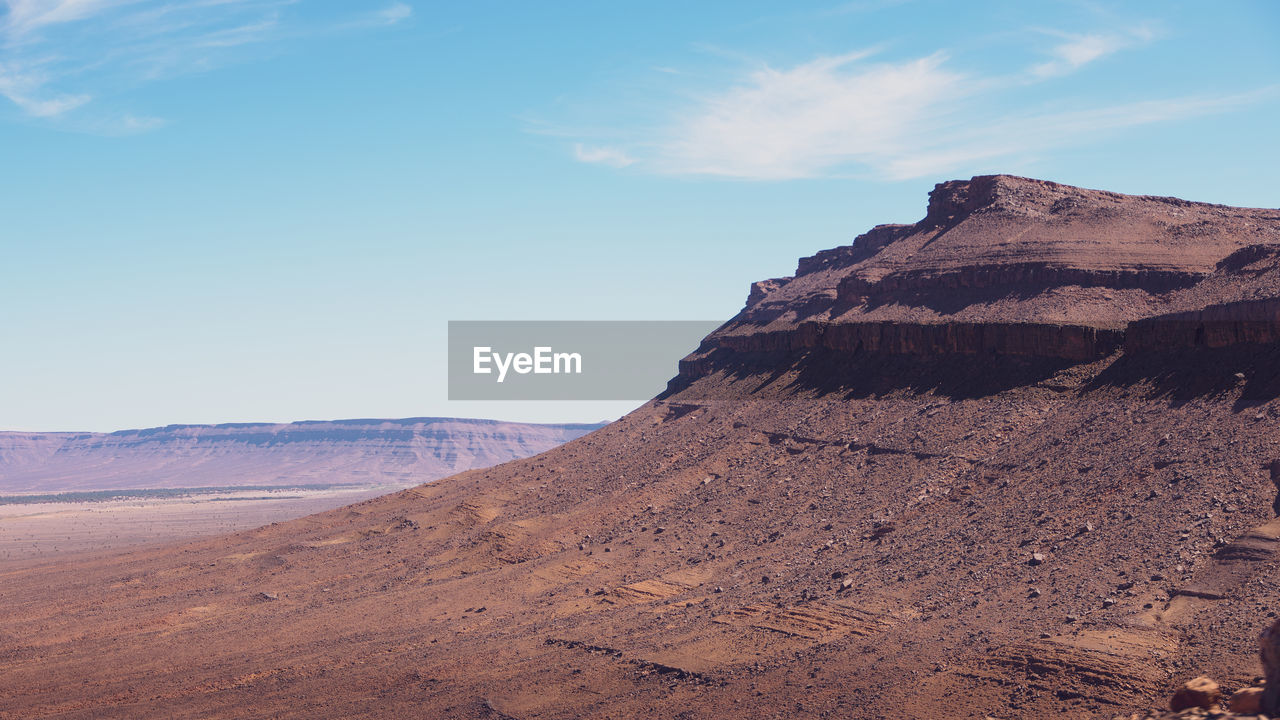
x: 970, y: 467
x: 383, y: 452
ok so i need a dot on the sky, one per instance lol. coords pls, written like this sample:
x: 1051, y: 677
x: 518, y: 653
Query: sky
x: 268, y: 210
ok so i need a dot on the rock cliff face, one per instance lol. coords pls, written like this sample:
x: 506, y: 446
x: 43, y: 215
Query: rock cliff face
x: 1009, y: 266
x: 1238, y: 304
x: 377, y: 452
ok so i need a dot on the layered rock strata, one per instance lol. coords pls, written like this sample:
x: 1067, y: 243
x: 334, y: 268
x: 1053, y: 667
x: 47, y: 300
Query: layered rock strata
x: 1009, y: 266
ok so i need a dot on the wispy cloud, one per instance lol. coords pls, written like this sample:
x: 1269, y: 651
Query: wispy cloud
x: 854, y: 114
x: 25, y: 16
x: 25, y: 89
x: 130, y: 124
x: 59, y: 56
x: 394, y: 13
x: 1032, y: 133
x: 802, y: 121
x: 602, y: 156
x: 1076, y: 51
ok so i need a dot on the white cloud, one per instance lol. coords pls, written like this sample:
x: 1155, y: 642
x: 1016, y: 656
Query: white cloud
x: 58, y: 55
x: 849, y: 115
x: 795, y: 123
x: 612, y: 157
x: 1080, y: 50
x: 132, y: 124
x: 24, y: 16
x: 1037, y: 132
x: 46, y: 107
x: 394, y: 13
x: 24, y: 90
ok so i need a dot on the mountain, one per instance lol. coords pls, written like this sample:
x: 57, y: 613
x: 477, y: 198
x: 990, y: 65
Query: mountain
x: 383, y: 452
x: 1015, y: 460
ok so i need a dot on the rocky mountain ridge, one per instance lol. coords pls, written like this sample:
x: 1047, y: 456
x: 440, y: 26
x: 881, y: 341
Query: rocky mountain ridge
x: 372, y: 451
x: 1011, y: 266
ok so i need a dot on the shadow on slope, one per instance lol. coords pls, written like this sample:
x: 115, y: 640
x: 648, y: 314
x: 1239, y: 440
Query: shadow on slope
x: 824, y: 372
x: 1183, y: 375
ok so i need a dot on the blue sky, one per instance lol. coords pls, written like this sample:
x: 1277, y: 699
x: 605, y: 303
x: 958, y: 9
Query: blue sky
x: 232, y: 210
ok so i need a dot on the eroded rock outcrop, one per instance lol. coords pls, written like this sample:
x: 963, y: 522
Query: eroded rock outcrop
x: 1009, y: 266
x: 1239, y: 303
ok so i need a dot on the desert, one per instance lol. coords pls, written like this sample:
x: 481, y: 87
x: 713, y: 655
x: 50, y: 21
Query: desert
x: 1015, y: 459
x: 68, y: 493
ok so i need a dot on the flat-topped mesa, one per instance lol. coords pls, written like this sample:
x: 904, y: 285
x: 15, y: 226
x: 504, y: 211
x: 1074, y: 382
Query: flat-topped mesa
x: 1013, y: 266
x: 1001, y: 231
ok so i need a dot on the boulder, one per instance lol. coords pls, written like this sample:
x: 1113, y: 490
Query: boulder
x: 1246, y: 701
x: 1198, y: 692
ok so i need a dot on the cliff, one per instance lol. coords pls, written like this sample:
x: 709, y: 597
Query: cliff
x: 1002, y: 265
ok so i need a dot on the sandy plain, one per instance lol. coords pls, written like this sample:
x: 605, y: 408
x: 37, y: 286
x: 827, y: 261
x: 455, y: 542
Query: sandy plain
x: 53, y: 530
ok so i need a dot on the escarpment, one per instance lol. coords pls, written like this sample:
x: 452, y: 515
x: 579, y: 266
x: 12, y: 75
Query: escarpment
x: 1014, y: 267
x: 1238, y: 304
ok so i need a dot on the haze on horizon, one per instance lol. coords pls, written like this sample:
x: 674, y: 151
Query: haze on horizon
x: 265, y: 211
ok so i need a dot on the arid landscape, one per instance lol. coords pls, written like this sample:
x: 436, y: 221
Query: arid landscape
x: 66, y: 493
x: 1016, y: 460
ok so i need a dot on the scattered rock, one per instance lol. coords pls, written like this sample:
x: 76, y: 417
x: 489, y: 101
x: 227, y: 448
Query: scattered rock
x: 1036, y: 559
x: 1246, y: 701
x: 1200, y: 692
x: 268, y: 596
